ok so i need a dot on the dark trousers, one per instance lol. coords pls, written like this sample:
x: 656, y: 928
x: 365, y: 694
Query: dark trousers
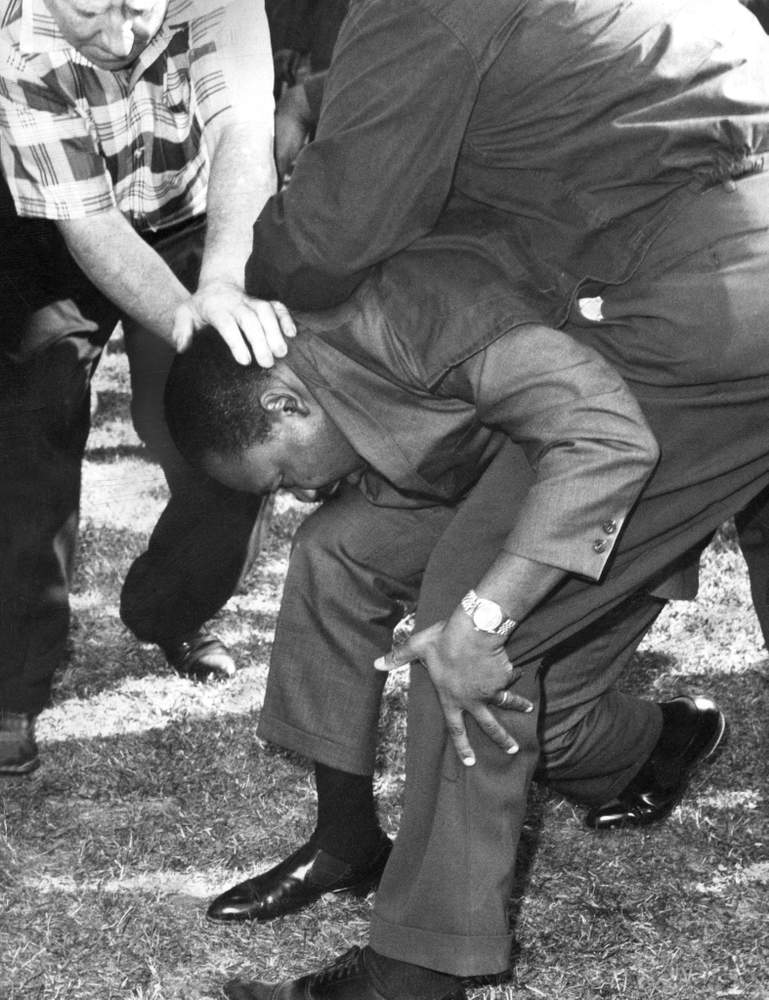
x: 753, y: 533
x: 55, y: 325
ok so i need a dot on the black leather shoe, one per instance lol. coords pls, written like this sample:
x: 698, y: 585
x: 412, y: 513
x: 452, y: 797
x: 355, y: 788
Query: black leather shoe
x: 692, y: 731
x: 347, y: 978
x: 18, y: 749
x: 301, y: 879
x: 200, y: 655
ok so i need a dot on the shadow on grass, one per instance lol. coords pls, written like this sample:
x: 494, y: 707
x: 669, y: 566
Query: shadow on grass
x: 114, y: 404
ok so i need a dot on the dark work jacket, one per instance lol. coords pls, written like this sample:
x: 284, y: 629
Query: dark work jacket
x: 590, y: 122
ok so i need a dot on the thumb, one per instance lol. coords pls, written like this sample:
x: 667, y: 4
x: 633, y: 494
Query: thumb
x: 412, y: 648
x: 396, y: 658
x: 181, y: 334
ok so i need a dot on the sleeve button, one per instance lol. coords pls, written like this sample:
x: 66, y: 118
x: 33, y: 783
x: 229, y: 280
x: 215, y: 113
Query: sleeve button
x: 600, y: 545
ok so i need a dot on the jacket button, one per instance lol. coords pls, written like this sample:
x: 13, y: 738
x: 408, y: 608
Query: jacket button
x: 600, y: 545
x: 609, y: 526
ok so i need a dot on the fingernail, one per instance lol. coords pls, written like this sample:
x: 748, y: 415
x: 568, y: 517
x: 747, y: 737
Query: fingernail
x: 511, y: 750
x: 529, y: 708
x: 380, y: 663
x: 469, y: 760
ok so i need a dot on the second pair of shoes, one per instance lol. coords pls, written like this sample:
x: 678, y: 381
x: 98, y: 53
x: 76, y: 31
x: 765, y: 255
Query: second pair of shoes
x: 199, y: 655
x: 18, y: 749
x: 301, y: 879
x: 347, y: 978
x: 693, y: 729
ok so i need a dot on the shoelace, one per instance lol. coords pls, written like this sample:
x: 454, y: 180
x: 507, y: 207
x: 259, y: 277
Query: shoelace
x: 350, y: 963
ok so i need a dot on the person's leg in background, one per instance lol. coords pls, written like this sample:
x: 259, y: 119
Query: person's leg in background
x: 54, y: 327
x: 207, y: 536
x: 753, y: 534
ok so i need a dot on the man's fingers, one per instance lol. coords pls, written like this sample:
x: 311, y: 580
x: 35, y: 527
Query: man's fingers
x: 512, y: 702
x: 396, y: 658
x: 183, y: 328
x: 456, y: 727
x: 412, y: 649
x: 285, y: 319
x: 271, y: 332
x: 263, y: 347
x: 494, y: 730
x: 230, y: 332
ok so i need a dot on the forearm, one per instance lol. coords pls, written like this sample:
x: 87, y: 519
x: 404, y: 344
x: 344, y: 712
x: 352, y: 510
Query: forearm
x: 126, y: 269
x: 518, y: 584
x: 243, y: 177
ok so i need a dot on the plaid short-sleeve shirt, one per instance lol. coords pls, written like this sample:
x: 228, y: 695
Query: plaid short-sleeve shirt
x: 76, y: 140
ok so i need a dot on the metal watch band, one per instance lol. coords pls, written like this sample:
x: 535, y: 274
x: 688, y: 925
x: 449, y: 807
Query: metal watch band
x: 471, y: 602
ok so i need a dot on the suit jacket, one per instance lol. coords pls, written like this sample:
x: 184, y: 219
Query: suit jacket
x: 430, y: 368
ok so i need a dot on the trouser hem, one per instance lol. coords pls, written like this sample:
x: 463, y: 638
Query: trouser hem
x: 315, y: 747
x: 455, y: 954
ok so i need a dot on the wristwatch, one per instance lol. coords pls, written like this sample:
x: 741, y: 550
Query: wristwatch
x: 487, y: 616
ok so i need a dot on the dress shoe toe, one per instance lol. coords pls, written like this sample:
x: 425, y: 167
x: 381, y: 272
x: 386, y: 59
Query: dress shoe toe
x: 300, y: 880
x: 200, y: 655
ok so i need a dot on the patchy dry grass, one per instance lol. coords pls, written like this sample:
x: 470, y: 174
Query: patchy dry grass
x: 154, y: 794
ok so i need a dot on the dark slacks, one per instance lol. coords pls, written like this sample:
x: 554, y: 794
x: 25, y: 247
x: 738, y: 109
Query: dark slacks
x: 55, y: 325
x: 753, y: 533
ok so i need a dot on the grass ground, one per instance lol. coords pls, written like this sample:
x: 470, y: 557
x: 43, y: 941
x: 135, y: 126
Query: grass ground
x: 154, y: 794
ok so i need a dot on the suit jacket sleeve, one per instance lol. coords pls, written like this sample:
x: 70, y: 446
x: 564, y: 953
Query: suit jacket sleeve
x: 583, y: 433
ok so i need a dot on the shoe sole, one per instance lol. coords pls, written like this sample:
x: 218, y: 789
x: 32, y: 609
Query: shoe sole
x: 15, y: 770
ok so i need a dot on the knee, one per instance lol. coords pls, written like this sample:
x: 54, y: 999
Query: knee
x: 316, y: 547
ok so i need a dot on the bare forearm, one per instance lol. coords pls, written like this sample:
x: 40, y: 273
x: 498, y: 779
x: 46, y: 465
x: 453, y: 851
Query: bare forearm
x: 518, y: 584
x: 128, y: 271
x: 243, y: 177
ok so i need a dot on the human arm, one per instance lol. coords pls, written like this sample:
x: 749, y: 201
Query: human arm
x: 591, y: 452
x: 294, y: 122
x: 131, y: 274
x: 381, y: 165
x: 240, y: 143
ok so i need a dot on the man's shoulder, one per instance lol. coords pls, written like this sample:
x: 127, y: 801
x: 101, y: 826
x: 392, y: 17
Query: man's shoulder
x: 180, y: 11
x: 13, y: 59
x: 467, y: 22
x: 10, y: 21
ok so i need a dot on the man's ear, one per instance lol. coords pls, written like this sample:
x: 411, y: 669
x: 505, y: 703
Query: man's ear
x: 280, y: 401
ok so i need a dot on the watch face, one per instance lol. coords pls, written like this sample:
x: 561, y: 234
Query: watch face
x: 488, y: 615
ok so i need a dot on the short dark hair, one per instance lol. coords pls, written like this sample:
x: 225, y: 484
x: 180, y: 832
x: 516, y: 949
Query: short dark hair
x: 212, y: 403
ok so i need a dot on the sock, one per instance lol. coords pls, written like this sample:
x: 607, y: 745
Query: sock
x: 403, y: 981
x: 348, y: 826
x: 663, y: 768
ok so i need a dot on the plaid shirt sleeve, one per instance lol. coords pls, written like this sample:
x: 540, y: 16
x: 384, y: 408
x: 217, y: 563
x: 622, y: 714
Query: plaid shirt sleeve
x: 49, y: 156
x: 231, y: 66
